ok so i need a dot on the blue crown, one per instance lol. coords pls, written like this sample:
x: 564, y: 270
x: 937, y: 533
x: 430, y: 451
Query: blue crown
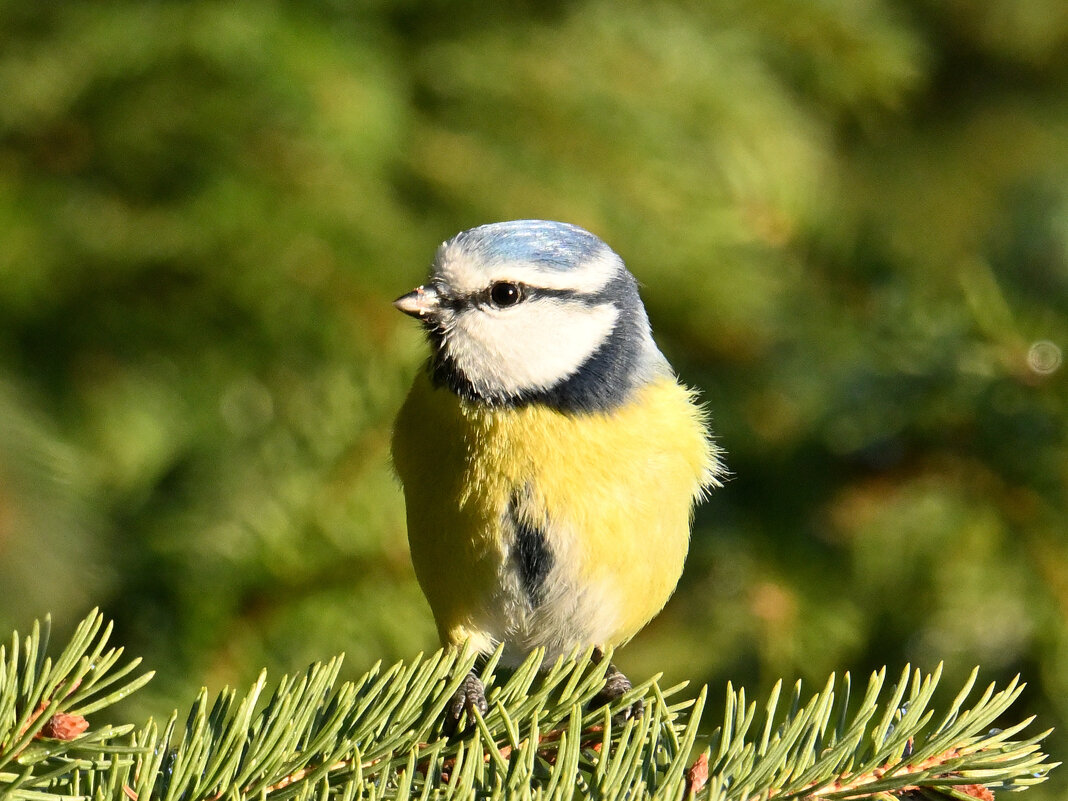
x: 554, y: 244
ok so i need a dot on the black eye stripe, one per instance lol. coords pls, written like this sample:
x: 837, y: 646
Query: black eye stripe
x: 483, y: 296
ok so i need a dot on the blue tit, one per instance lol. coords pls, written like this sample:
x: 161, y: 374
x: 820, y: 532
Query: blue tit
x: 550, y: 458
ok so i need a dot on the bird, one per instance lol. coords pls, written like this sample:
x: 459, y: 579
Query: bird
x: 549, y: 456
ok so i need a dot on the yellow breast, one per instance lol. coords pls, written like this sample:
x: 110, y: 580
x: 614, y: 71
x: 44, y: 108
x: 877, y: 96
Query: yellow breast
x: 615, y: 491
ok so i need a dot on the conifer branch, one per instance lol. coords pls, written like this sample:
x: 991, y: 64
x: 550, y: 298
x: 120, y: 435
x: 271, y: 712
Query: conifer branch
x: 381, y: 736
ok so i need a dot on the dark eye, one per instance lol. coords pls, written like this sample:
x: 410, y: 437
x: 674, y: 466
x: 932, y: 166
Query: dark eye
x: 505, y: 293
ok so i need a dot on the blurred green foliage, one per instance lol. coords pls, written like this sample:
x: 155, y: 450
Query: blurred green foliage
x: 850, y: 220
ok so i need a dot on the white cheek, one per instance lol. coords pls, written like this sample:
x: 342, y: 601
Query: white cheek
x: 531, y: 346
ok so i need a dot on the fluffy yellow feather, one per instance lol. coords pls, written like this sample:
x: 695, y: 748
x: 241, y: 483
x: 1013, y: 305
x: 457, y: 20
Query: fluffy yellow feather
x: 614, y: 493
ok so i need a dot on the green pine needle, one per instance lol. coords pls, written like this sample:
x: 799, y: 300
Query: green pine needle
x: 381, y: 736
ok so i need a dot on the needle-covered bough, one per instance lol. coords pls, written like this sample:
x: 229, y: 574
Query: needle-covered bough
x: 381, y: 736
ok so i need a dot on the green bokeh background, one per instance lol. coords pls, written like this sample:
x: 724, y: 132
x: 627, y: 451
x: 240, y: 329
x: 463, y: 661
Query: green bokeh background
x: 850, y: 219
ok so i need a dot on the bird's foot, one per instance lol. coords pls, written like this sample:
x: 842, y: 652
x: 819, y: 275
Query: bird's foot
x: 470, y: 697
x: 616, y: 685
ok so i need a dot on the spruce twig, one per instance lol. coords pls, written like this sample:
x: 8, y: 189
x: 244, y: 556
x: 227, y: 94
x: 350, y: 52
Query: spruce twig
x: 381, y: 736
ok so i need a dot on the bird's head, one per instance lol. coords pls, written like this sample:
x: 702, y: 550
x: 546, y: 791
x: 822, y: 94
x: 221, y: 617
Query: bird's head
x: 532, y: 311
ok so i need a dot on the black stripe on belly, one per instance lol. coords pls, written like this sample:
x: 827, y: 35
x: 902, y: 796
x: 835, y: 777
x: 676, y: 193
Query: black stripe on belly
x: 530, y: 552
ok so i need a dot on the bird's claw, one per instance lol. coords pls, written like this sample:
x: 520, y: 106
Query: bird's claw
x: 469, y: 697
x: 616, y: 685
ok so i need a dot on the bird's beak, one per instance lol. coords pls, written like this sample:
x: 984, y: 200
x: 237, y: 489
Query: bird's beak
x: 421, y: 303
